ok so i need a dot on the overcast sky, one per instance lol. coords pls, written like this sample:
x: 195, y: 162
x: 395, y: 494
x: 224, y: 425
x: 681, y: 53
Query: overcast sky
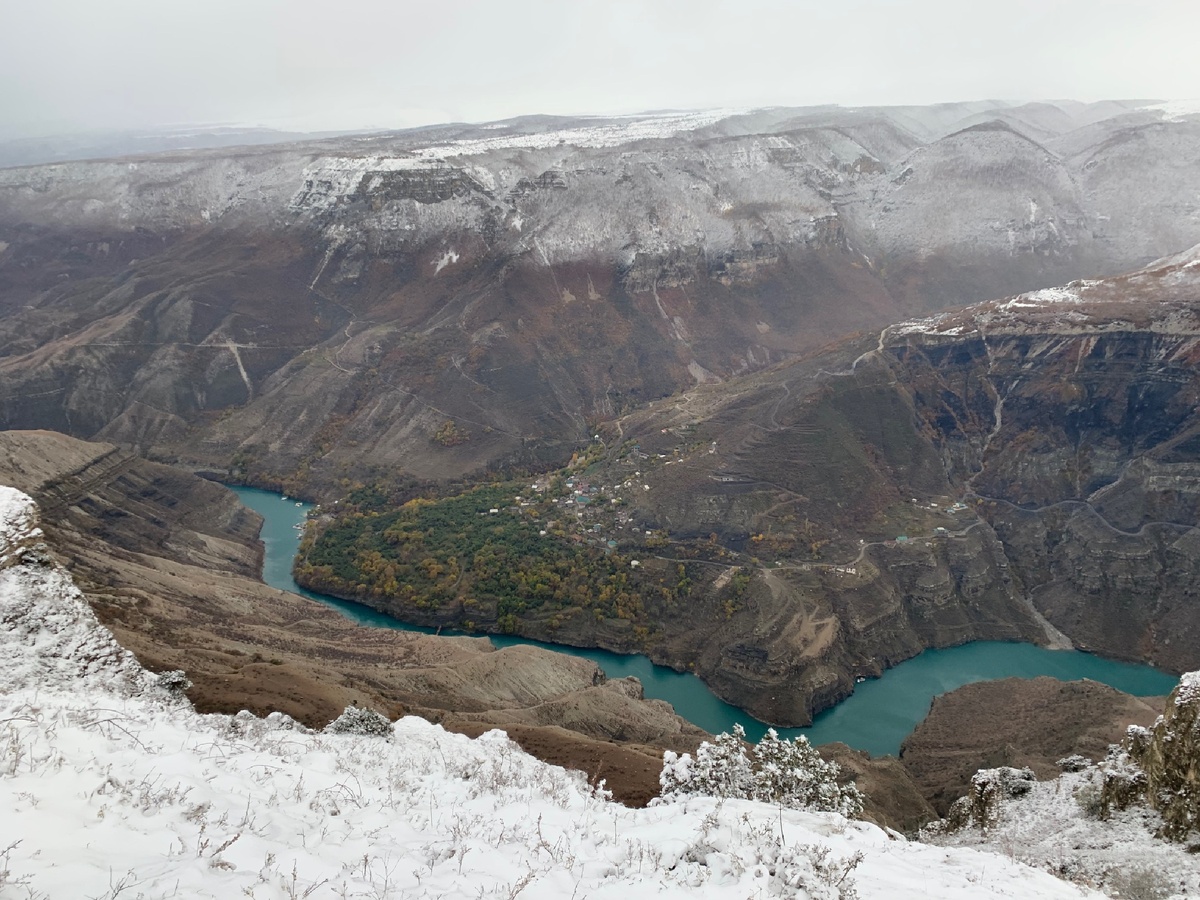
x: 71, y: 65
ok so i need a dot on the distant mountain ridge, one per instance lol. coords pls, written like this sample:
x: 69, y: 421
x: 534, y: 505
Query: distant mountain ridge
x: 36, y: 151
x: 316, y: 311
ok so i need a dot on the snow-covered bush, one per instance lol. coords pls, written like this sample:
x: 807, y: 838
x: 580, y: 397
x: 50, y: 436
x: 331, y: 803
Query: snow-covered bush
x: 784, y: 772
x: 360, y: 721
x: 175, y: 683
x: 1140, y: 883
x: 1076, y: 762
x: 719, y: 769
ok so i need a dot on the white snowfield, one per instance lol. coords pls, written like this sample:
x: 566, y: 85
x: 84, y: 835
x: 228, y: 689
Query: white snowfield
x: 111, y: 787
x: 1177, y: 110
x: 1047, y: 827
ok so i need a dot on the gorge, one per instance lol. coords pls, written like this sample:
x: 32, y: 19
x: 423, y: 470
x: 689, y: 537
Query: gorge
x: 877, y: 717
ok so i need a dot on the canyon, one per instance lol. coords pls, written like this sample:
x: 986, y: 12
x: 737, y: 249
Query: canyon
x: 1014, y: 470
x: 773, y: 335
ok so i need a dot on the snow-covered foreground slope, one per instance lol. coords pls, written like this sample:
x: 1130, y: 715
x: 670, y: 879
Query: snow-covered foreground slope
x: 1049, y: 828
x: 111, y: 786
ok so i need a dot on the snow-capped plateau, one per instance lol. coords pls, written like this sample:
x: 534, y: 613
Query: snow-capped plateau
x: 1177, y: 110
x: 111, y: 785
x: 1159, y: 298
x: 603, y: 133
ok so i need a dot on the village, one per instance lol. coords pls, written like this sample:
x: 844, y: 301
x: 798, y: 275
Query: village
x: 584, y: 503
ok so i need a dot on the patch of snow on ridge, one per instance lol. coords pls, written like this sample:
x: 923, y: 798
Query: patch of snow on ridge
x: 917, y: 326
x: 1188, y: 259
x: 610, y: 134
x: 114, y: 791
x: 1176, y: 110
x: 18, y: 521
x: 450, y: 256
x: 332, y: 177
x: 1068, y: 294
x: 944, y: 324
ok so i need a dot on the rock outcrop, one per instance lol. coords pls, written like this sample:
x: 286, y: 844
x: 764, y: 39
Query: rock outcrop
x: 1160, y: 765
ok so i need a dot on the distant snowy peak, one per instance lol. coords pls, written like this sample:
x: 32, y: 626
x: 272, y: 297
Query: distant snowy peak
x: 1163, y: 297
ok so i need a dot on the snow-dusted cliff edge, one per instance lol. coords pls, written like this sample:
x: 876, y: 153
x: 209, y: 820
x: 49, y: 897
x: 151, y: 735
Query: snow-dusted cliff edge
x: 110, y: 786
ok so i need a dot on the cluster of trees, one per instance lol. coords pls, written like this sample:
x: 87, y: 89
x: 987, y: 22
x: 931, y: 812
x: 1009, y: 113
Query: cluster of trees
x: 428, y: 553
x: 449, y: 434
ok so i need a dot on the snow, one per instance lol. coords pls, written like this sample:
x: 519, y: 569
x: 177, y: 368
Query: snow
x: 1177, y: 110
x: 335, y: 177
x: 447, y: 258
x: 1189, y: 689
x: 1069, y: 294
x: 17, y: 521
x: 1188, y: 259
x: 959, y: 323
x: 930, y: 325
x: 1049, y: 829
x: 112, y: 786
x: 607, y: 134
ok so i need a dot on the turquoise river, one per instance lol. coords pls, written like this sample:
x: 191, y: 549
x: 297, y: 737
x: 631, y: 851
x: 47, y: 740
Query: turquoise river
x: 876, y: 718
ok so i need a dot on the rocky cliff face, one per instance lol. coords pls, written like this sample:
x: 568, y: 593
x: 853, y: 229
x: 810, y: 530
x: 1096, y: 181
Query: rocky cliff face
x: 1085, y: 470
x: 1168, y: 755
x: 315, y: 310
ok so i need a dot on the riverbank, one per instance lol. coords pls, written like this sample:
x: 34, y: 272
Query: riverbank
x: 876, y: 718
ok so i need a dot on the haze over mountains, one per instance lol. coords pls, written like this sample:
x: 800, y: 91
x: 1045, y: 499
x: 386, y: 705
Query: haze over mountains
x: 316, y: 310
x: 31, y: 151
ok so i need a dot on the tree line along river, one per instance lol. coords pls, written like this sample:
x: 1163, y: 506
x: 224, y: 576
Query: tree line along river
x: 879, y: 715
